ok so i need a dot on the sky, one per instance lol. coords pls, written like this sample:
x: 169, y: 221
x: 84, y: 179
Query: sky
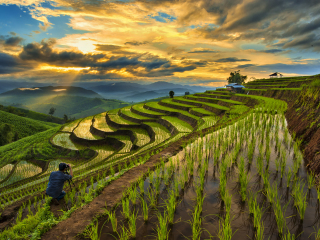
x: 144, y: 41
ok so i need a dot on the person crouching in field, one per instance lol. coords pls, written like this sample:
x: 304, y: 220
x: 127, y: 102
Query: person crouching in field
x: 56, y: 182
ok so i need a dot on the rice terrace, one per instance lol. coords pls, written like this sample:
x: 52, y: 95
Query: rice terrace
x: 211, y: 165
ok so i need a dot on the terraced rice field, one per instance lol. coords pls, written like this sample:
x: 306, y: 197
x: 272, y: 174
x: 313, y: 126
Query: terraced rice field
x: 101, y: 124
x: 5, y: 170
x: 83, y: 130
x: 23, y: 170
x: 71, y: 126
x: 117, y: 119
x: 63, y: 140
x: 239, y: 174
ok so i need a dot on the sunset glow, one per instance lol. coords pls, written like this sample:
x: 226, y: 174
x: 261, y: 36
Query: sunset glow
x: 186, y: 42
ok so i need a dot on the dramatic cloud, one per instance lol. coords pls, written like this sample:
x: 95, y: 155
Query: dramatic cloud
x: 10, y: 64
x: 272, y: 51
x: 10, y: 41
x: 246, y: 65
x: 231, y: 59
x: 177, y: 40
x: 136, y: 43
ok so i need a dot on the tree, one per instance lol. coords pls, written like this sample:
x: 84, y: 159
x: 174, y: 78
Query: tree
x: 65, y: 118
x: 186, y: 93
x: 171, y: 93
x: 6, y: 133
x: 51, y: 111
x: 236, y: 77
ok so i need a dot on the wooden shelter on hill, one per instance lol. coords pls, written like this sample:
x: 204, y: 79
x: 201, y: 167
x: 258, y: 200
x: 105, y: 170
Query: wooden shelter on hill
x: 275, y: 75
x: 235, y: 87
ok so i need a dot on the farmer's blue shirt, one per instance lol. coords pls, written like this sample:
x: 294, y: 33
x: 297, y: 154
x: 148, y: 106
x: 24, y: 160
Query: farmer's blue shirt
x: 56, y: 181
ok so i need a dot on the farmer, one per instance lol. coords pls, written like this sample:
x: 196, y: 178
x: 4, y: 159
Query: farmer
x: 56, y: 181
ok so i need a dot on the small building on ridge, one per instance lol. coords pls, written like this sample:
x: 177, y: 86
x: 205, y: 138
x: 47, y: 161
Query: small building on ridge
x: 235, y: 87
x: 275, y: 75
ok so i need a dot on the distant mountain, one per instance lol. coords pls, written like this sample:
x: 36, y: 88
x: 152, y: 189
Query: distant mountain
x: 162, y: 85
x: 135, y: 92
x: 139, y: 97
x: 119, y: 87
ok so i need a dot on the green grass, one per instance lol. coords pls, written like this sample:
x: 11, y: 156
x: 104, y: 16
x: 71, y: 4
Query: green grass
x: 113, y: 111
x: 156, y: 105
x: 20, y: 149
x: 170, y: 101
x: 203, y: 111
x: 33, y: 115
x: 211, y: 94
x: 287, y: 89
x: 139, y: 107
x: 127, y: 111
x: 120, y: 120
x: 213, y: 105
x: 208, y: 122
x: 180, y: 125
x: 255, y: 89
x: 23, y: 126
x: 216, y: 99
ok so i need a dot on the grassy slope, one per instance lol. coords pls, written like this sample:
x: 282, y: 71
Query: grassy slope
x: 25, y: 126
x: 22, y: 149
x: 35, y: 115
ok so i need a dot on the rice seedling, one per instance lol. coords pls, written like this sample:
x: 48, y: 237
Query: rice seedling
x: 300, y: 199
x: 257, y: 216
x: 223, y: 185
x: 152, y: 197
x: 279, y: 213
x: 132, y: 224
x: 125, y: 207
x: 113, y: 219
x: 283, y: 167
x: 157, y: 183
x: 162, y: 232
x: 259, y: 232
x: 251, y: 150
x: 252, y: 202
x: 170, y: 205
x: 277, y: 162
x: 289, y: 175
x: 310, y: 179
x: 195, y: 223
x: 225, y: 230
x: 141, y: 186
x: 243, y: 179
x: 133, y: 195
x: 167, y: 176
x: 92, y: 231
x: 288, y: 236
x: 123, y: 234
x: 145, y: 209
